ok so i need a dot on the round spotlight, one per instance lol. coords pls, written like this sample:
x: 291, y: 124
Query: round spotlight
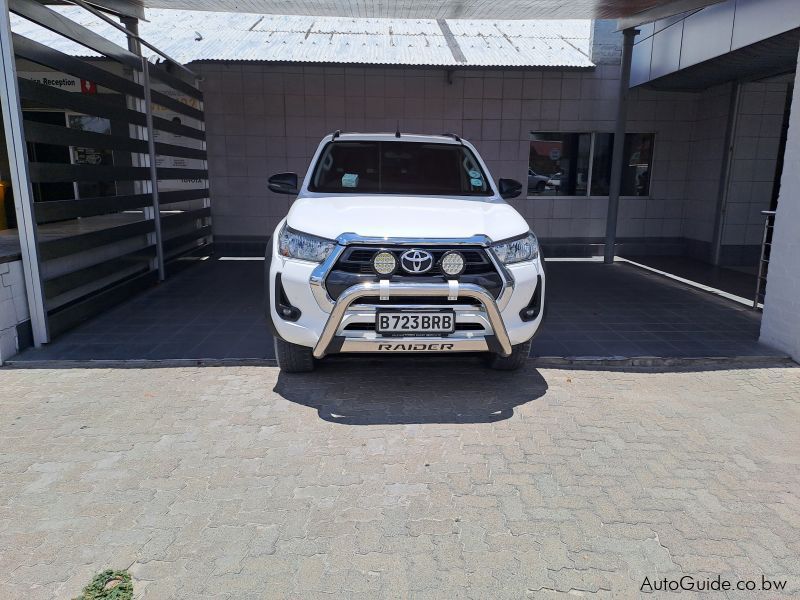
x: 453, y: 264
x: 384, y: 263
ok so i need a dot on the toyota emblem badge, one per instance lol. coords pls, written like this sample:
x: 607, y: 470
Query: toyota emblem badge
x: 416, y: 261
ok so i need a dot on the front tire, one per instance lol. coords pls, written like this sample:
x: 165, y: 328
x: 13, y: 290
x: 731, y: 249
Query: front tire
x: 293, y: 358
x: 519, y: 354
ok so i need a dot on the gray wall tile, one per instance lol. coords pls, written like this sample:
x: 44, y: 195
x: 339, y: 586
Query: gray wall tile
x: 274, y: 119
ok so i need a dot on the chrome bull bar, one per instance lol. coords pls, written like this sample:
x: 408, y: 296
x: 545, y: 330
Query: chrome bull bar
x: 385, y: 289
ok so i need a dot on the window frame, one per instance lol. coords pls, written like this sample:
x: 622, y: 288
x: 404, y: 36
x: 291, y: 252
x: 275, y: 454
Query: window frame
x: 590, y: 174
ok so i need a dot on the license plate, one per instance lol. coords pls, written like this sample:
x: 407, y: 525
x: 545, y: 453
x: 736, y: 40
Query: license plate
x: 391, y: 322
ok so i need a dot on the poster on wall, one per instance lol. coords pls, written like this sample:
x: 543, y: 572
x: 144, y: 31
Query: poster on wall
x: 62, y: 81
x: 166, y: 137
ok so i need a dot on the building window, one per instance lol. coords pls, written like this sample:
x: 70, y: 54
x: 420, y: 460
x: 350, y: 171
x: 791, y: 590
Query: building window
x: 559, y: 164
x: 601, y: 163
x: 637, y: 164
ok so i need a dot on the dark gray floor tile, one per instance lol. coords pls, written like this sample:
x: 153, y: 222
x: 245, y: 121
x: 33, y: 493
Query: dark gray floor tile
x: 215, y: 310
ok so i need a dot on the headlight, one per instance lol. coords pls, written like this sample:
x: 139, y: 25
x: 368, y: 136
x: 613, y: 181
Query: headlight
x: 303, y: 246
x: 519, y: 250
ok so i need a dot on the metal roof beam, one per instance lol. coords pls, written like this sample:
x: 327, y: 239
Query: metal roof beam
x: 121, y: 8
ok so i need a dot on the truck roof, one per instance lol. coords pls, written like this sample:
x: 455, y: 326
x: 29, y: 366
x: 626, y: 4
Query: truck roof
x: 392, y: 137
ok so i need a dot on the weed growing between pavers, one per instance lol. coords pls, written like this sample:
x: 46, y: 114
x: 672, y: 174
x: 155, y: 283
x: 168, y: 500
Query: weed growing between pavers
x: 109, y: 585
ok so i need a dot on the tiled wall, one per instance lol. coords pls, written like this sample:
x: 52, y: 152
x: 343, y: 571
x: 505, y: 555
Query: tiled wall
x: 758, y: 124
x: 264, y: 119
x: 670, y: 115
x: 13, y: 307
x: 706, y: 152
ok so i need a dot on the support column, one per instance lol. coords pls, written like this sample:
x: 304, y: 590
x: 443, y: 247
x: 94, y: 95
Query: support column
x: 151, y: 146
x: 615, y: 183
x: 20, y: 180
x: 146, y: 106
x: 780, y: 324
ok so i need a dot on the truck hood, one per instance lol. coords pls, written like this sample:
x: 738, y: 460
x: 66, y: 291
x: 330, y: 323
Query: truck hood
x: 405, y: 216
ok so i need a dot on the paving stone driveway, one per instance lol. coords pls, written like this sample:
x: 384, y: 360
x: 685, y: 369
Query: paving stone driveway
x: 396, y: 479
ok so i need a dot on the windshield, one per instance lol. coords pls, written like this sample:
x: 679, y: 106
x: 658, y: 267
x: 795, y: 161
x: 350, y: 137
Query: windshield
x: 412, y: 168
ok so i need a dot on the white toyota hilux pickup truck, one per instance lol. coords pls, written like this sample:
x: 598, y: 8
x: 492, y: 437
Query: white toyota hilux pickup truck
x: 401, y: 243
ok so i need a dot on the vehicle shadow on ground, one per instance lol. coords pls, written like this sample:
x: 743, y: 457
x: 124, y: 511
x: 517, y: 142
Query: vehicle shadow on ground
x: 395, y: 390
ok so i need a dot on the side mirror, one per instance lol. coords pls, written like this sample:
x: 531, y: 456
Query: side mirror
x: 283, y: 183
x: 509, y: 188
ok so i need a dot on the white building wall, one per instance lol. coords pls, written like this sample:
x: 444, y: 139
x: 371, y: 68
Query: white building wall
x: 780, y: 324
x: 13, y: 307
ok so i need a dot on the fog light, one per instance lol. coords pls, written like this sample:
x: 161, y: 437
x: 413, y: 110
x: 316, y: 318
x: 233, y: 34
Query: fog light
x: 453, y: 264
x: 384, y: 263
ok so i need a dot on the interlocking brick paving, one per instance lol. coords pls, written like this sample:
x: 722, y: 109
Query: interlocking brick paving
x: 397, y: 479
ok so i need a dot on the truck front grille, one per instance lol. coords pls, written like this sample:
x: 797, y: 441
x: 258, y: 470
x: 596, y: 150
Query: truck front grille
x: 355, y: 266
x: 359, y: 260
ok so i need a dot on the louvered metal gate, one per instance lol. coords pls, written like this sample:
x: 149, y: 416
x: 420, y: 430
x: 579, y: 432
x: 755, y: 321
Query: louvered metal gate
x: 136, y: 140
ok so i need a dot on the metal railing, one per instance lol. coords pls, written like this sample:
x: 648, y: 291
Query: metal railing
x: 763, y: 261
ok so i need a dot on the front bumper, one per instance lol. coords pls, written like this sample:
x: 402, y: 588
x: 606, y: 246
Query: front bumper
x: 498, y: 341
x: 347, y: 324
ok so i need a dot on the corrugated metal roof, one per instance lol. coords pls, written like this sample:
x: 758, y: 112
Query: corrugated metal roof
x: 198, y: 35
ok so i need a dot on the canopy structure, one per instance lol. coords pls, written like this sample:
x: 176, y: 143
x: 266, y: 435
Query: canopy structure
x: 58, y: 296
